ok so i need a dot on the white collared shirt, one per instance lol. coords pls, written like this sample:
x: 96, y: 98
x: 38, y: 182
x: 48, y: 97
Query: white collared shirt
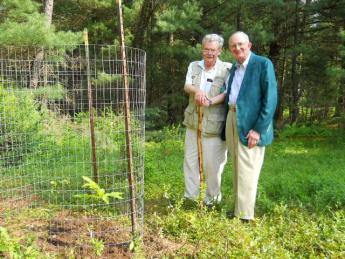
x: 207, y: 77
x: 237, y: 80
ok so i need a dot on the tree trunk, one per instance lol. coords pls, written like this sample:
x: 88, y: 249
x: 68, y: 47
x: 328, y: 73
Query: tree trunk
x: 279, y: 61
x: 294, y: 106
x: 48, y: 11
x: 37, y: 66
x: 239, y: 17
x: 281, y: 94
x: 295, y: 72
x: 340, y: 106
x: 146, y: 14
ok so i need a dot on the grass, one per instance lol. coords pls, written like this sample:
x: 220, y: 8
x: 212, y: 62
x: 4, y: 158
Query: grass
x: 300, y: 205
x: 300, y: 209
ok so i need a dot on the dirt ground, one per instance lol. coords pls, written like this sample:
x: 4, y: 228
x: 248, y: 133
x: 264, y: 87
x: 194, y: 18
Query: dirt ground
x: 69, y: 234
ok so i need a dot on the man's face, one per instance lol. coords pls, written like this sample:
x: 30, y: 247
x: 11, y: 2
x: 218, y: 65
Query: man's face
x: 210, y: 51
x: 239, y: 47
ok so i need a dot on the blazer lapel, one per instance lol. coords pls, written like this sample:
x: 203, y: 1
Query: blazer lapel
x: 231, y: 77
x: 249, y: 69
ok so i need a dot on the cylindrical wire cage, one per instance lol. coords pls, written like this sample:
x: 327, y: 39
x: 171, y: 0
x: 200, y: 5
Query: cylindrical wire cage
x: 52, y: 100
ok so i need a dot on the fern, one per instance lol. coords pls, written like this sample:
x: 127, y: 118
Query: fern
x: 98, y: 192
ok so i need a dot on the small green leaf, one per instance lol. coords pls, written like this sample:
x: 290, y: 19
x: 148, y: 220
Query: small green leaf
x: 131, y: 246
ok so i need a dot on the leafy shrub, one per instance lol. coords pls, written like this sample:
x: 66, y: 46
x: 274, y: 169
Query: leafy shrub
x: 169, y: 133
x: 11, y: 248
x: 52, y: 92
x: 20, y: 123
x: 155, y: 118
x: 290, y: 131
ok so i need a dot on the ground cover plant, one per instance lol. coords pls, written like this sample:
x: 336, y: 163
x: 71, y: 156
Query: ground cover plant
x: 300, y: 207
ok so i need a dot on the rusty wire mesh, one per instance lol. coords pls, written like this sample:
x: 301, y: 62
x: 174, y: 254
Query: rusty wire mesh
x: 46, y: 166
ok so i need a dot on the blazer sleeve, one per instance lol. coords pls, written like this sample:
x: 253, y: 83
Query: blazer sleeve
x: 269, y: 94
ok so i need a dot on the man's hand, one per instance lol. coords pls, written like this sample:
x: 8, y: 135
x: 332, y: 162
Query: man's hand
x: 200, y: 98
x: 253, y: 138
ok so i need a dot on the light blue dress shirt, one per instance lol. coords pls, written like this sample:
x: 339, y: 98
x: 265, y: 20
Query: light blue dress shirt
x: 237, y: 81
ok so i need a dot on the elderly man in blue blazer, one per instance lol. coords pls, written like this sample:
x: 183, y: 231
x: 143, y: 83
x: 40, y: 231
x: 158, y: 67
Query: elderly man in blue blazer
x: 250, y: 100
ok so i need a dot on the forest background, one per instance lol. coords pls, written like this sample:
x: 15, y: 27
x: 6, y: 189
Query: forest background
x: 304, y: 39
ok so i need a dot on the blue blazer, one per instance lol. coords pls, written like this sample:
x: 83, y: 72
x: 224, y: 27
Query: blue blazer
x: 257, y: 100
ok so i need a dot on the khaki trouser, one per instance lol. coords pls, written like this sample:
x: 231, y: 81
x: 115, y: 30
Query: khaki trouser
x: 246, y: 167
x: 214, y: 159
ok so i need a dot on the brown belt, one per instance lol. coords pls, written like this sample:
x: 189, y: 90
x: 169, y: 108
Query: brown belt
x: 232, y: 107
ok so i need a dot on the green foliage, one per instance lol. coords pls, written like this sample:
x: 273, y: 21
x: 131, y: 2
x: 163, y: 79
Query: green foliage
x: 19, y: 9
x: 291, y: 131
x: 26, y: 26
x: 170, y: 32
x: 12, y: 248
x: 155, y: 118
x: 96, y: 15
x: 19, y: 115
x: 19, y: 112
x: 168, y: 134
x: 98, y: 246
x: 184, y: 17
x: 98, y: 192
x: 300, y: 204
x: 51, y: 92
x: 104, y: 78
x: 34, y: 32
x: 55, y: 186
x: 164, y: 178
x: 286, y: 233
x: 54, y: 145
x: 303, y: 172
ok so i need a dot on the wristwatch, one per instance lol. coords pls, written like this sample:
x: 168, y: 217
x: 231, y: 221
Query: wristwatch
x: 209, y: 102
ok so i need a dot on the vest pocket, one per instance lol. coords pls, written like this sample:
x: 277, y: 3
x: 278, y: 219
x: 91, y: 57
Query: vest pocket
x: 213, y: 124
x: 218, y: 81
x: 190, y: 117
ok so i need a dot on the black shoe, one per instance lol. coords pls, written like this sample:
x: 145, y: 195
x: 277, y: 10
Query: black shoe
x: 189, y: 204
x: 210, y: 206
x: 230, y: 215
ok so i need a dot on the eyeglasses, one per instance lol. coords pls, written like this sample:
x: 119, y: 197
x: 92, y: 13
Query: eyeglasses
x: 212, y: 51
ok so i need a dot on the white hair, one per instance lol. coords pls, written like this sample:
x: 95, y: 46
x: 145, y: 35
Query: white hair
x: 245, y: 36
x: 213, y: 37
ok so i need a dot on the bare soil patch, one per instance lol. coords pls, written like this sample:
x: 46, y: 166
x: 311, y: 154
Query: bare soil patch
x: 68, y: 233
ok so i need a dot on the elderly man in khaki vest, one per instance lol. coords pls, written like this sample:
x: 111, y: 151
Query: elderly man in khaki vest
x: 205, y: 82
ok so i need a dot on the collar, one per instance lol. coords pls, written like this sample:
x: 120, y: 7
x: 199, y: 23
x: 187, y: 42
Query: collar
x: 202, y: 64
x: 245, y: 63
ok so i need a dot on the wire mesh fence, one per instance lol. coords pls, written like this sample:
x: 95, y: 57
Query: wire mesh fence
x: 52, y: 101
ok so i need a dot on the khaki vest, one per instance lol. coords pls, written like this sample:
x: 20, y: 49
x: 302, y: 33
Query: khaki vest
x: 213, y: 116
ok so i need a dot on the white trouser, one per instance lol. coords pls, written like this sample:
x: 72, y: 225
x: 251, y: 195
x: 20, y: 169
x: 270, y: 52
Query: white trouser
x: 214, y: 159
x: 246, y: 167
